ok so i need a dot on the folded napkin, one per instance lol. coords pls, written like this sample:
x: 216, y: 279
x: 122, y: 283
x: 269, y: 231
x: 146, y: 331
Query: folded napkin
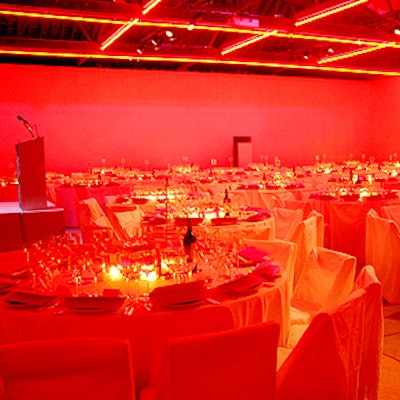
x: 179, y: 294
x: 6, y: 285
x: 242, y: 285
x: 224, y: 221
x: 253, y: 254
x: 267, y: 269
x: 182, y: 221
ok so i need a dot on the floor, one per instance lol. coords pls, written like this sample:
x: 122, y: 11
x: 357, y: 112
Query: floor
x: 390, y: 372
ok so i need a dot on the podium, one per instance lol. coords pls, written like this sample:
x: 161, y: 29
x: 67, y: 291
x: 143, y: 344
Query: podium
x: 29, y: 220
x: 31, y: 174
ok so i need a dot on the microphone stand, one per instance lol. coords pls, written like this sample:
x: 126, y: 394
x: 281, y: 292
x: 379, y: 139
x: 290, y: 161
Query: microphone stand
x: 30, y: 130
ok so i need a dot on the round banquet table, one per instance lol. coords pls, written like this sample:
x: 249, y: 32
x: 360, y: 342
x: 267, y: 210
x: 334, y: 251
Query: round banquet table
x: 148, y: 330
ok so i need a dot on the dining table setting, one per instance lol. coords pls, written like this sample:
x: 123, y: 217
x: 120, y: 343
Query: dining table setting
x: 143, y: 290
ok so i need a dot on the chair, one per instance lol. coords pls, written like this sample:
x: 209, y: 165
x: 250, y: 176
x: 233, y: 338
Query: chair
x: 320, y: 227
x: 325, y: 363
x: 339, y: 354
x: 305, y: 236
x: 286, y: 222
x: 305, y: 205
x: 127, y: 223
x: 391, y: 212
x: 92, y: 219
x: 373, y: 344
x: 382, y: 250
x: 234, y: 364
x: 326, y: 279
x: 65, y: 369
x: 283, y: 253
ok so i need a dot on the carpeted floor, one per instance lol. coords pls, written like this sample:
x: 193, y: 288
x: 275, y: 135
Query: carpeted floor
x: 390, y: 372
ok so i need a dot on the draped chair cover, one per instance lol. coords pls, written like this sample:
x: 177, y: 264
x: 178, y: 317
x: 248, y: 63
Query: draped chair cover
x: 326, y: 362
x: 236, y: 364
x: 283, y: 253
x: 320, y: 227
x: 286, y: 222
x: 339, y: 354
x: 391, y: 212
x: 92, y: 218
x: 383, y: 252
x: 66, y: 369
x: 374, y: 327
x: 305, y: 237
x: 326, y: 280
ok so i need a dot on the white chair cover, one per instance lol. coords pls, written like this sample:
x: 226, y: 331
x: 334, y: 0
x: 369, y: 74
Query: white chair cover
x: 326, y: 280
x: 373, y: 335
x: 305, y: 237
x: 325, y: 363
x: 236, y: 364
x: 283, y: 253
x: 346, y: 353
x: 286, y: 222
x: 383, y: 252
x: 320, y: 227
x: 391, y: 212
x: 65, y: 369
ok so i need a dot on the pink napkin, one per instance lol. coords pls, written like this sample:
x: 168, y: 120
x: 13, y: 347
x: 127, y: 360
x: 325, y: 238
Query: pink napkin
x: 241, y: 285
x: 267, y: 269
x: 253, y: 254
x: 179, y: 294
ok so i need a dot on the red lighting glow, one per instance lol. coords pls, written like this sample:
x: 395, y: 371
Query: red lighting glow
x: 324, y: 12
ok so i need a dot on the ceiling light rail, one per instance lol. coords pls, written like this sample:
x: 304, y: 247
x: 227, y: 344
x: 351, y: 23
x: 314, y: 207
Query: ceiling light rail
x: 135, y: 56
x: 350, y: 54
x: 324, y: 10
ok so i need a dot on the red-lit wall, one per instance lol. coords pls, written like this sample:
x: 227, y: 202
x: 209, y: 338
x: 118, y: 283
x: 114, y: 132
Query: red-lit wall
x: 87, y: 115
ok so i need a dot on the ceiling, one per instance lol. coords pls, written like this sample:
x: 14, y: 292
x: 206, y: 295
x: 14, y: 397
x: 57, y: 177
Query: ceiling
x: 271, y: 37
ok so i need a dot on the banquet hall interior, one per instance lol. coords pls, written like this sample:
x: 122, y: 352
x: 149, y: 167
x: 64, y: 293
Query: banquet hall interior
x: 199, y: 199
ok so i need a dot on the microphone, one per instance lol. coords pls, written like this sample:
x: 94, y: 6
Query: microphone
x: 28, y: 126
x: 23, y: 120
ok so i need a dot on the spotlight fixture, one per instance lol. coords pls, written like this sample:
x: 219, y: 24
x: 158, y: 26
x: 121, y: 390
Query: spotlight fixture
x: 396, y: 30
x: 169, y: 34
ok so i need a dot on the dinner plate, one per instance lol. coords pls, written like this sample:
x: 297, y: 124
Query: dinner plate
x: 183, y: 305
x: 93, y: 304
x: 28, y: 299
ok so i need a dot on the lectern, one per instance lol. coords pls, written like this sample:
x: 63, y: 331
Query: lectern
x: 31, y: 174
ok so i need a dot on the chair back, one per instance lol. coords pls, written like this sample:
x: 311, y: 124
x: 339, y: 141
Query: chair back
x: 65, y: 369
x: 325, y: 363
x: 382, y: 250
x: 373, y: 335
x: 325, y: 281
x: 286, y: 222
x: 236, y: 364
x: 305, y: 236
x: 391, y: 212
x: 320, y: 227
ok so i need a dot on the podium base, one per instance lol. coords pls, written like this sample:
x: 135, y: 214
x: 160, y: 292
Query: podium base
x: 25, y: 227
